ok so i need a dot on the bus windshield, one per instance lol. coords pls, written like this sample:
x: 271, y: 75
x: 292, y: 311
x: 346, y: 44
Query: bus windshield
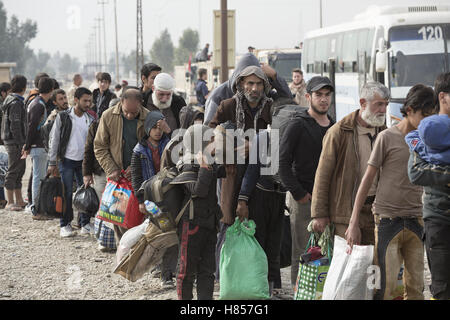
x: 284, y: 65
x: 419, y: 53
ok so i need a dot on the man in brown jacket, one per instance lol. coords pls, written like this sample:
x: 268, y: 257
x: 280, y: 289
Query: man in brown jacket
x: 346, y: 149
x: 249, y: 108
x: 120, y: 129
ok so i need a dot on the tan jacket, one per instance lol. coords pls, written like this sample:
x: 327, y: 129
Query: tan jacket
x: 71, y: 95
x: 299, y: 94
x: 108, y: 142
x: 337, y: 176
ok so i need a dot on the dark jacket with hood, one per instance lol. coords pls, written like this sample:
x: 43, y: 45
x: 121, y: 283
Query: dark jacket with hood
x: 36, y: 117
x: 225, y: 90
x: 300, y: 149
x: 254, y: 175
x: 142, y: 167
x: 13, y: 127
x: 90, y: 163
x: 188, y: 114
x: 436, y: 181
x: 108, y: 96
x: 200, y: 184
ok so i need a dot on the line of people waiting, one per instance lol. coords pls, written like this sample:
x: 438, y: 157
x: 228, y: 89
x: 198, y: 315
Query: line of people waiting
x: 353, y: 173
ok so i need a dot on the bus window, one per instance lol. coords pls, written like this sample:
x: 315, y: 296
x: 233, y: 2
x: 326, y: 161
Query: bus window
x: 418, y: 56
x: 369, y: 47
x: 310, y: 56
x: 338, y: 53
x: 322, y: 49
x: 349, y: 51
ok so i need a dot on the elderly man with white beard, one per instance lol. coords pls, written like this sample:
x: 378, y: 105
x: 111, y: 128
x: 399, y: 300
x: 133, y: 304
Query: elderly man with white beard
x: 346, y: 150
x: 164, y: 100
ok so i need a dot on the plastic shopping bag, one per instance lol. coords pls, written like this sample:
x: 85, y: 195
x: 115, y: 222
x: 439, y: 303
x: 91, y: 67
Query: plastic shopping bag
x: 129, y: 239
x: 146, y: 252
x: 243, y: 264
x: 348, y: 276
x: 314, y: 265
x: 119, y: 205
x: 86, y: 200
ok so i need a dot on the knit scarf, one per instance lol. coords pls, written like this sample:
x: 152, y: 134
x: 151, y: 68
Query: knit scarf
x: 240, y: 112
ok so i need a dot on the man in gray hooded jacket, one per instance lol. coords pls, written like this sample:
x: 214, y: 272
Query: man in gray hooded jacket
x: 225, y: 90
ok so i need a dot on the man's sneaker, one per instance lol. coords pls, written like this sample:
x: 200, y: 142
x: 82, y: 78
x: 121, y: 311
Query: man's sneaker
x: 66, y: 232
x: 87, y: 229
x: 167, y: 283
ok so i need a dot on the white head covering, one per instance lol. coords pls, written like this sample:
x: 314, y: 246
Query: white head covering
x: 164, y: 82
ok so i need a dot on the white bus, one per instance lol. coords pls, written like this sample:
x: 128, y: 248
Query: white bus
x: 398, y: 46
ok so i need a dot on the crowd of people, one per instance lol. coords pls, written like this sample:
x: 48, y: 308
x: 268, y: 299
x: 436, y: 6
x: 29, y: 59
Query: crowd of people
x: 356, y: 174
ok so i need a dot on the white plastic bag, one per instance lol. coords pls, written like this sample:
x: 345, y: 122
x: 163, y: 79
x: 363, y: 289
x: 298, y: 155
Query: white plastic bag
x: 348, y: 275
x: 129, y: 239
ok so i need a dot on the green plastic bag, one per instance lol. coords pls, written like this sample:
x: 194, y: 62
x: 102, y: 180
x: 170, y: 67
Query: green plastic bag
x: 243, y: 264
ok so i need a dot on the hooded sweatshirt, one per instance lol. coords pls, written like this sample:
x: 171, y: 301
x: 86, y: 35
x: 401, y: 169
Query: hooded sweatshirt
x: 225, y: 90
x: 14, y: 120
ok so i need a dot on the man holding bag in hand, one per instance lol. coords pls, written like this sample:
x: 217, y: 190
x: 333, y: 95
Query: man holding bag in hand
x: 121, y: 128
x: 67, y: 142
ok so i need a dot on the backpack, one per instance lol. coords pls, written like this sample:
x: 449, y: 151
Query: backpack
x: 168, y: 197
x: 66, y: 127
x: 51, y: 197
x: 283, y: 115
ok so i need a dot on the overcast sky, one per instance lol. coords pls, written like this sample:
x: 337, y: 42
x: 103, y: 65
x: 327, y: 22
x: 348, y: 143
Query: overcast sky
x: 260, y: 23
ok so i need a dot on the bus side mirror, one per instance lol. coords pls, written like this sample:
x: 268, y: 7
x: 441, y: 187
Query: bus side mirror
x: 381, y: 61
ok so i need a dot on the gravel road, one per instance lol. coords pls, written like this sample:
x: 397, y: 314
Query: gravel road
x: 36, y: 264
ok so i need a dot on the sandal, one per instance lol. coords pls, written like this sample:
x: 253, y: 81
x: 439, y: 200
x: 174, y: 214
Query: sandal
x: 13, y: 207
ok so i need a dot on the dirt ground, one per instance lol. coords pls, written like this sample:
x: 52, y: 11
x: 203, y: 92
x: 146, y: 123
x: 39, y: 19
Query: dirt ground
x: 36, y: 264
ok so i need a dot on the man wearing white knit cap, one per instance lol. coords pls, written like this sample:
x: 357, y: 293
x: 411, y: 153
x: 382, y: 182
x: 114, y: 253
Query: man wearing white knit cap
x: 164, y: 100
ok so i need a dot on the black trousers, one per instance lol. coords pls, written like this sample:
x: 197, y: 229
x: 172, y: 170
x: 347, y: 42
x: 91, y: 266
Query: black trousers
x: 196, y: 260
x: 267, y: 210
x: 437, y: 246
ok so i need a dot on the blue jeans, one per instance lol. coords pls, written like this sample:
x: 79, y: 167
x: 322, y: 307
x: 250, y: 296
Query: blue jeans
x: 39, y: 159
x: 68, y: 169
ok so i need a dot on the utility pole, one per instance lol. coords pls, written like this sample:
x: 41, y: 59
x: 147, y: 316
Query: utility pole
x: 99, y: 28
x: 117, y: 43
x: 199, y: 19
x: 102, y: 3
x: 224, y: 41
x: 139, y: 41
x: 94, y: 47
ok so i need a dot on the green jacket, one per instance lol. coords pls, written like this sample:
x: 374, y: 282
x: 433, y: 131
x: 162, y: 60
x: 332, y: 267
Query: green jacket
x: 436, y: 182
